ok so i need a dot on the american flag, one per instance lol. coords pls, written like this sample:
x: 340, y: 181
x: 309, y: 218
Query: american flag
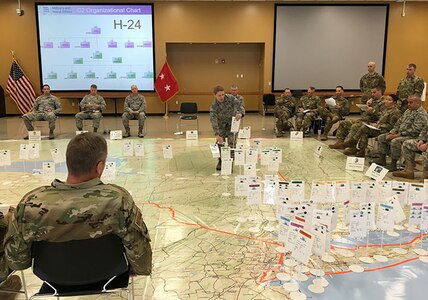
x: 20, y: 88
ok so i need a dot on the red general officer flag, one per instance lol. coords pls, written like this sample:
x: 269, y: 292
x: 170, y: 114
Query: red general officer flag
x: 166, y: 85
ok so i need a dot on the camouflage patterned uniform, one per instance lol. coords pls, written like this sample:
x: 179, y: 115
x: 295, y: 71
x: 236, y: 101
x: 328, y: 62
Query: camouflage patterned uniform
x: 4, y: 271
x: 408, y: 87
x: 221, y: 117
x: 304, y: 120
x: 386, y: 122
x: 241, y: 99
x: 283, y: 111
x: 348, y: 129
x: 134, y: 104
x: 369, y: 81
x: 408, y: 126
x: 410, y: 149
x: 90, y: 113
x: 63, y: 212
x: 41, y: 105
x: 333, y: 115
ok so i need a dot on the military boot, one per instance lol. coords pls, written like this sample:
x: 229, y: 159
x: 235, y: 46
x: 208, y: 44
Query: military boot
x: 337, y: 145
x: 51, y: 134
x: 393, y: 165
x: 381, y: 160
x: 361, y: 153
x: 350, y: 144
x: 12, y: 283
x: 406, y: 173
x: 127, y: 132
x: 140, y: 132
x: 350, y: 151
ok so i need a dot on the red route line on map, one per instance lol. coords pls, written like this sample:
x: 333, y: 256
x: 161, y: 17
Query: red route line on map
x: 262, y: 277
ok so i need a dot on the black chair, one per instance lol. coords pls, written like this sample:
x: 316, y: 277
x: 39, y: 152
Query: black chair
x: 81, y: 267
x: 189, y: 112
x: 268, y: 100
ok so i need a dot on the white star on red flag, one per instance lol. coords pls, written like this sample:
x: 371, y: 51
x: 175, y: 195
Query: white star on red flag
x: 165, y: 84
x: 167, y: 87
x: 161, y: 76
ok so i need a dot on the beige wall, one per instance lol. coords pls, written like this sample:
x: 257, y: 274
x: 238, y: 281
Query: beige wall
x: 213, y: 22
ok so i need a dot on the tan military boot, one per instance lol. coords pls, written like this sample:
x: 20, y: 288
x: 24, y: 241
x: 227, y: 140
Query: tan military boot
x: 127, y: 132
x: 337, y: 145
x: 406, y: 173
x: 350, y: 151
x: 140, y: 132
x: 350, y: 144
x: 361, y: 153
x: 324, y: 137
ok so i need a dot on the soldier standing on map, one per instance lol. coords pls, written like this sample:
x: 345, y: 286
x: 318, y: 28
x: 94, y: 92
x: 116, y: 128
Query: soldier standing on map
x: 82, y: 207
x: 370, y: 80
x: 224, y: 107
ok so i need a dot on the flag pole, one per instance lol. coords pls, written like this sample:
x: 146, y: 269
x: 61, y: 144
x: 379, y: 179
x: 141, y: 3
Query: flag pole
x: 165, y: 116
x: 13, y: 54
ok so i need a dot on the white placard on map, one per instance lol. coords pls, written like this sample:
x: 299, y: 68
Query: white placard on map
x: 358, y: 192
x: 273, y: 164
x: 235, y: 125
x: 270, y: 194
x: 128, y: 148
x: 296, y: 135
x: 424, y: 218
x: 251, y: 156
x: 355, y: 163
x: 321, y: 239
x: 80, y: 131
x: 276, y: 152
x: 116, y: 134
x: 416, y: 192
x: 376, y: 172
x: 297, y: 190
x: 357, y: 224
x: 303, y: 247
x: 139, y: 148
x: 385, y: 217
x: 369, y: 209
x: 258, y: 145
x: 292, y: 235
x: 264, y: 157
x: 250, y: 170
x: 245, y: 133
x: 191, y: 134
x: 254, y: 196
x: 24, y: 151
x: 57, y: 156
x: 215, y: 151
x: 415, y: 213
x: 34, y: 150
x: 226, y: 166
x: 318, y: 151
x: 225, y: 152
x: 399, y: 215
x: 241, y: 186
x: 109, y: 173
x: 239, y: 157
x: 5, y: 158
x: 35, y: 135
x: 48, y: 170
x: 167, y: 151
x: 283, y: 226
x: 343, y: 191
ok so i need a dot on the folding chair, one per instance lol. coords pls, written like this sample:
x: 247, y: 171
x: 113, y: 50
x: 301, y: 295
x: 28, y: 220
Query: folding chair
x: 189, y: 112
x: 81, y: 267
x: 268, y: 100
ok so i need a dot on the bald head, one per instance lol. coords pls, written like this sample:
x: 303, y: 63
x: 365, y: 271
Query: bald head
x: 371, y: 66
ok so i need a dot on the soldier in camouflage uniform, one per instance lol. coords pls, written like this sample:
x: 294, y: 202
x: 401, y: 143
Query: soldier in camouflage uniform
x: 222, y: 110
x: 308, y: 109
x: 410, y: 148
x: 92, y: 106
x: 410, y: 85
x: 407, y: 127
x: 370, y: 80
x: 134, y: 108
x: 333, y: 115
x: 284, y: 109
x: 46, y: 107
x: 80, y: 208
x: 348, y: 129
x: 388, y: 117
x: 234, y: 92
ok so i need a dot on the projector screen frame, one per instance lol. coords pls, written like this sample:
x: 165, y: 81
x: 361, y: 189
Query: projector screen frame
x: 385, y: 36
x: 100, y: 88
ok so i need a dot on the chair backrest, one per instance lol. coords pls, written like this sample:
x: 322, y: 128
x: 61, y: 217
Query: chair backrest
x: 269, y: 99
x: 79, y: 262
x: 189, y: 108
